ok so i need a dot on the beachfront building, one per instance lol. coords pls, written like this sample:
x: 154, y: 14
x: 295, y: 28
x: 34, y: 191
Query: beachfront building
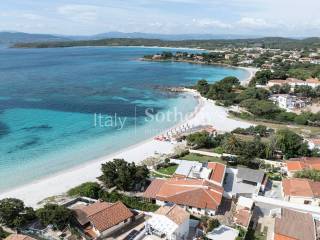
x: 293, y: 225
x: 169, y: 222
x: 212, y: 171
x: 197, y: 196
x: 293, y: 82
x: 288, y: 102
x: 314, y: 143
x: 294, y: 165
x: 301, y: 191
x: 101, y: 219
x: 244, y: 182
x: 19, y: 237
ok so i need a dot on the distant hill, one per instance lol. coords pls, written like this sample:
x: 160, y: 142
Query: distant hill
x: 19, y: 37
x: 269, y: 42
x: 172, y: 37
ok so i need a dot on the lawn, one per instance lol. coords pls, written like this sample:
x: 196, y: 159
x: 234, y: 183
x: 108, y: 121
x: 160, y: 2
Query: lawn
x: 202, y: 158
x: 168, y: 170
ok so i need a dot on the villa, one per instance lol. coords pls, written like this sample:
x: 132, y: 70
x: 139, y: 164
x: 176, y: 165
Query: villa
x: 169, y: 222
x: 294, y: 165
x: 244, y: 182
x: 314, y: 143
x: 301, y: 191
x: 212, y: 171
x: 293, y: 82
x: 197, y: 196
x: 101, y: 219
x: 288, y: 102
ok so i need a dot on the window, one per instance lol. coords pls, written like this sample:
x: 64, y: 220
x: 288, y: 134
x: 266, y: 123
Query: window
x: 199, y: 209
x: 125, y: 221
x: 307, y: 202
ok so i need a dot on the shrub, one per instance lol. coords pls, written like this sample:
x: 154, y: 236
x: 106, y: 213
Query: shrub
x: 88, y: 189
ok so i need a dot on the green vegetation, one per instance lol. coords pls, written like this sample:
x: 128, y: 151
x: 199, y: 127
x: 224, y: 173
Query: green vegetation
x: 259, y: 130
x: 3, y: 233
x: 58, y: 216
x: 130, y: 202
x: 199, y: 140
x: 268, y: 42
x: 88, y: 189
x: 168, y: 170
x: 309, y: 174
x: 202, y: 158
x: 123, y: 175
x: 212, y: 224
x: 14, y: 214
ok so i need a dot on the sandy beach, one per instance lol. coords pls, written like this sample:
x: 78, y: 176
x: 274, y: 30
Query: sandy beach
x: 206, y: 113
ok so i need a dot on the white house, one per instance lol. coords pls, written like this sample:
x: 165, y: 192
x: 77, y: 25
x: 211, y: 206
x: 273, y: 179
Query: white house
x: 169, y: 222
x: 287, y: 101
x: 223, y: 232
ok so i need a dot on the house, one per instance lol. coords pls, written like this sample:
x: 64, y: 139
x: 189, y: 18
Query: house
x: 293, y: 82
x: 293, y: 225
x: 288, y: 102
x: 223, y: 232
x: 169, y: 222
x: 314, y: 143
x: 298, y: 164
x: 243, y: 212
x: 313, y: 82
x: 197, y: 196
x: 211, y: 171
x: 18, y: 237
x: 301, y: 191
x: 101, y: 219
x: 244, y: 182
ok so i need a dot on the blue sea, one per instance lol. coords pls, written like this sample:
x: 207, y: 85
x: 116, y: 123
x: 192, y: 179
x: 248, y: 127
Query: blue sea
x: 66, y: 106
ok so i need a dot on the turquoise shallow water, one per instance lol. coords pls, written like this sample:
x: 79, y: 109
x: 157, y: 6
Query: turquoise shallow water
x: 49, y: 98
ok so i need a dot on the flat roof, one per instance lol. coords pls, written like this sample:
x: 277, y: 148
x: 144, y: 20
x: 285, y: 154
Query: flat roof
x: 223, y: 232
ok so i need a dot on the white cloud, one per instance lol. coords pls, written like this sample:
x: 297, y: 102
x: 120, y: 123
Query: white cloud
x: 79, y: 13
x: 212, y: 23
x: 248, y: 22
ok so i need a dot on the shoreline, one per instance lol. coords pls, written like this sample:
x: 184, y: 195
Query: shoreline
x: 205, y: 113
x: 250, y: 70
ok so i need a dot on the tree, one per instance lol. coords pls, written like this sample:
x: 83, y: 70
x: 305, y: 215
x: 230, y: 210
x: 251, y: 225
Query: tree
x: 261, y: 77
x: 202, y: 87
x: 123, y: 175
x: 88, y: 189
x: 290, y: 143
x: 58, y: 216
x: 232, y: 144
x: 199, y: 139
x: 212, y: 224
x: 14, y: 214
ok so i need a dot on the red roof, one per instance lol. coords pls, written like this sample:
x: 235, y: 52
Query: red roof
x: 103, y: 215
x: 153, y: 188
x: 298, y: 164
x: 242, y: 217
x: 190, y: 192
x: 301, y: 187
x: 218, y: 171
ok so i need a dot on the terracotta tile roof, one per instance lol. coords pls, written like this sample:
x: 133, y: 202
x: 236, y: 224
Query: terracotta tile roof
x: 218, y: 171
x: 294, y: 225
x: 281, y: 237
x: 301, y: 187
x: 191, y: 192
x: 315, y: 141
x: 18, y: 237
x: 313, y: 80
x: 297, y: 164
x: 103, y: 215
x: 174, y: 213
x: 153, y: 188
x: 242, y: 217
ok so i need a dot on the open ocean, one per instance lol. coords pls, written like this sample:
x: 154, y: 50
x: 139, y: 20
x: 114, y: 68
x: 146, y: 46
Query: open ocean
x: 51, y: 100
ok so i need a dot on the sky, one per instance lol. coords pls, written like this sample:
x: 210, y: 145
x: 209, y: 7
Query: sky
x: 83, y: 17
